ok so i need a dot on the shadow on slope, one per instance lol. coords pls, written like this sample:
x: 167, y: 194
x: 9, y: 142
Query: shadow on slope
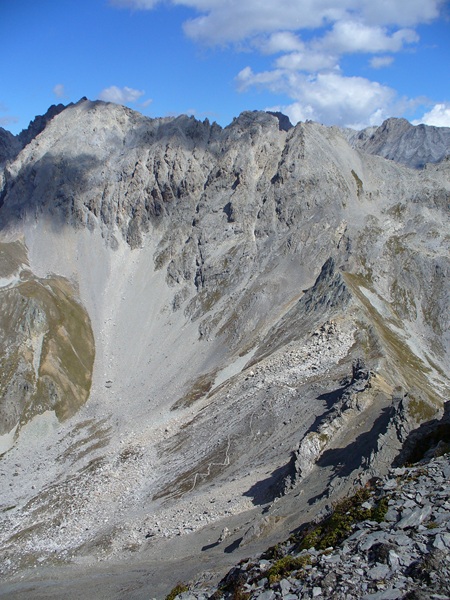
x: 266, y: 490
x: 346, y: 459
x: 430, y: 439
x: 51, y: 184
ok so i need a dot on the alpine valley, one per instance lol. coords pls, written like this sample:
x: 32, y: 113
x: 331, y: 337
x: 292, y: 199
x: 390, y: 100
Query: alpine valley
x: 207, y: 336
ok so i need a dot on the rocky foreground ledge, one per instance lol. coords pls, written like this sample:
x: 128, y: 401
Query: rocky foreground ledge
x: 389, y: 541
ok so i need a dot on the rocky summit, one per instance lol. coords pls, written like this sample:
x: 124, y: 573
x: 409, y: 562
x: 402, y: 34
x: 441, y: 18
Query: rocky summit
x: 208, y: 336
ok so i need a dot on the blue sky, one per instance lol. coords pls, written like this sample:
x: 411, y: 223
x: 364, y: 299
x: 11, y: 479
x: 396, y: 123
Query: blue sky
x: 344, y: 62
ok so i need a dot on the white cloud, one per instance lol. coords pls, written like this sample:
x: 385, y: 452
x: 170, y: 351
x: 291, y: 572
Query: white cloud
x: 378, y: 62
x: 330, y: 98
x: 274, y: 80
x: 222, y: 21
x: 296, y: 112
x: 345, y: 37
x: 59, y: 90
x: 439, y: 116
x: 307, y: 61
x: 281, y: 41
x: 118, y: 95
x: 235, y: 20
x: 310, y: 38
x: 353, y: 36
x: 399, y: 12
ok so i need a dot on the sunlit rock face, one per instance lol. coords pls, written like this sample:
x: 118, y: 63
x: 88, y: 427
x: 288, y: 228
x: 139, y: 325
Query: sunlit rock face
x: 182, y: 310
x: 398, y: 140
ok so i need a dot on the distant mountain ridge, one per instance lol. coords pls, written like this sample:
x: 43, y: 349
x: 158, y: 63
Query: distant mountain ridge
x: 411, y: 145
x: 396, y: 138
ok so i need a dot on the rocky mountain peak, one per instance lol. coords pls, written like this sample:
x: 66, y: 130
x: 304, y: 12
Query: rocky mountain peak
x: 284, y: 122
x: 9, y: 146
x: 411, y: 145
x: 38, y: 124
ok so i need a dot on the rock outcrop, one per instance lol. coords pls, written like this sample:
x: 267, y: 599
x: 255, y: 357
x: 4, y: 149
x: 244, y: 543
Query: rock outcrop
x: 9, y: 146
x: 392, y: 542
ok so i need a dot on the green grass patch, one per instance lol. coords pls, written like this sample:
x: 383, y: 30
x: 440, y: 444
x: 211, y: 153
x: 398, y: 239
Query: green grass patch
x: 283, y: 567
x: 47, y: 350
x: 12, y: 256
x: 178, y: 589
x: 335, y: 528
x: 68, y: 349
x: 273, y: 553
x: 410, y: 370
x: 420, y: 410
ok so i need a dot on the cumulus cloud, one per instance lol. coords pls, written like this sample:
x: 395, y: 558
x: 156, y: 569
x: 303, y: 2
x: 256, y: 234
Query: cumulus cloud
x: 439, y: 116
x: 274, y: 80
x: 353, y: 36
x: 222, y: 21
x: 281, y: 41
x: 345, y: 37
x: 309, y: 39
x: 118, y: 95
x: 307, y: 61
x: 59, y: 90
x: 398, y: 12
x: 308, y: 69
x: 330, y: 98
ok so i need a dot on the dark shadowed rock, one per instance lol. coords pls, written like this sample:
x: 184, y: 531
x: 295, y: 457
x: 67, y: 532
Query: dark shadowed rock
x: 284, y: 122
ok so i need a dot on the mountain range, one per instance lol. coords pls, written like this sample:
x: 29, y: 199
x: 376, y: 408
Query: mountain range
x: 207, y: 335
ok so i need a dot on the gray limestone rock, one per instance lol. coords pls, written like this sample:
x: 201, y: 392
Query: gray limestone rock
x: 9, y: 146
x: 413, y: 518
x: 229, y: 278
x: 412, y: 145
x: 401, y: 568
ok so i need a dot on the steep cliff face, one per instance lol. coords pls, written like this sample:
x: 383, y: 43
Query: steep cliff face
x: 9, y: 146
x: 230, y: 278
